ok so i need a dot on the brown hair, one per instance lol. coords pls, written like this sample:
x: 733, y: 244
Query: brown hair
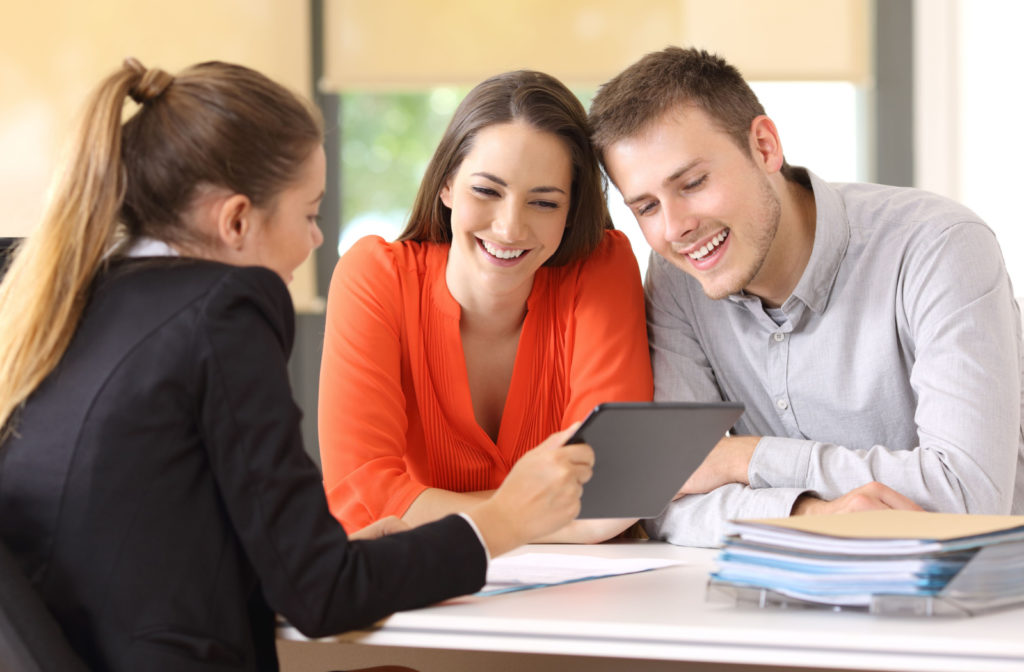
x: 671, y: 78
x: 548, y: 106
x: 214, y: 124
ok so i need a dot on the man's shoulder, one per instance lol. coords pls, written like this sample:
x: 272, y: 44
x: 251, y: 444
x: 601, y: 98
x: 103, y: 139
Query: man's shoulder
x: 889, y: 208
x: 916, y: 239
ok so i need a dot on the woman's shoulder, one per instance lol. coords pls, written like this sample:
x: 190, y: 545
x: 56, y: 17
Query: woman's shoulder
x: 374, y: 261
x: 170, y: 285
x: 188, y: 278
x: 179, y: 306
x: 371, y: 252
x: 610, y: 271
x: 368, y: 247
x: 612, y: 258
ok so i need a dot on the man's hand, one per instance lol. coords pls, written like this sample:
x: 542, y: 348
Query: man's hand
x: 728, y: 462
x: 868, y: 497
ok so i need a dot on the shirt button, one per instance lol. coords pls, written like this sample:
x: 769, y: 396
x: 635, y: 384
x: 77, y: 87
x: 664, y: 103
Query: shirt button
x: 779, y: 336
x: 782, y: 404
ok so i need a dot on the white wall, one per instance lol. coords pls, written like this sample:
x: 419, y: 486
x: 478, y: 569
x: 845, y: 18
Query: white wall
x: 969, y: 102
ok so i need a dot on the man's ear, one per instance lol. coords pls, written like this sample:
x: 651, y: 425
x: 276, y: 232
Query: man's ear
x: 234, y: 221
x: 765, y: 146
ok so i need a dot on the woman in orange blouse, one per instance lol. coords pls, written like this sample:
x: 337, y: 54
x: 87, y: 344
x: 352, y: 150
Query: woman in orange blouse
x: 506, y: 310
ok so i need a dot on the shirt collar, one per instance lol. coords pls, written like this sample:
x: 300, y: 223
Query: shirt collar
x: 831, y: 240
x: 149, y: 247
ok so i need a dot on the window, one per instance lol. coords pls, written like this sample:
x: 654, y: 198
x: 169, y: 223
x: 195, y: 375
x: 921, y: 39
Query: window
x: 386, y: 141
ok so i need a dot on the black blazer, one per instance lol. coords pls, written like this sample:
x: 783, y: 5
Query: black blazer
x: 158, y: 496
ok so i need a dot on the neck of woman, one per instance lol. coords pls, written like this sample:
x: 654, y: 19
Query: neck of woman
x: 488, y: 308
x: 492, y: 316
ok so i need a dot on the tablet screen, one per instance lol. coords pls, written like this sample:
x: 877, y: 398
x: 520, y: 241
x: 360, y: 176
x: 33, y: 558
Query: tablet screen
x: 645, y: 451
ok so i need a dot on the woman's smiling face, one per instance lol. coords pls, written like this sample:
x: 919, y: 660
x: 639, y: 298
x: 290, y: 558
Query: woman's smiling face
x: 509, y: 199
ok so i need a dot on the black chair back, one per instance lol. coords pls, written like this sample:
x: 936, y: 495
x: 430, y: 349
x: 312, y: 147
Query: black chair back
x: 6, y: 245
x: 30, y: 638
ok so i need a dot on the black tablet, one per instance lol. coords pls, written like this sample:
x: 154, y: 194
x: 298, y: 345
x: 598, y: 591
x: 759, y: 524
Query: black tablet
x: 645, y: 451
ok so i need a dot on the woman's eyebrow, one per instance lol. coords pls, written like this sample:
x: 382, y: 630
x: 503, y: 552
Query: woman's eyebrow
x: 539, y: 190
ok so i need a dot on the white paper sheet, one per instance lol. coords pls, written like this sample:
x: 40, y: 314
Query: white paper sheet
x: 533, y: 570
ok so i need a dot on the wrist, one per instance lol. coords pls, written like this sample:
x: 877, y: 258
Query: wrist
x: 804, y: 505
x: 744, y: 447
x: 496, y: 529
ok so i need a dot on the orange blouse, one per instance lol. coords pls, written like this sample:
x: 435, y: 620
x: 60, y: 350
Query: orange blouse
x: 395, y: 412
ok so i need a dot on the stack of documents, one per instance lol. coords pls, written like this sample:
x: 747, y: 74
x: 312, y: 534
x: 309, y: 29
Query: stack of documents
x: 900, y: 561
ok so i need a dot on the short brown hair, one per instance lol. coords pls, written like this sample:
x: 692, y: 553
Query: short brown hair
x: 548, y: 106
x: 670, y: 78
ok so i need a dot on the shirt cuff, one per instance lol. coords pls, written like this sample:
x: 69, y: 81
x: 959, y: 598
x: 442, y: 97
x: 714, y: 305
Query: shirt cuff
x: 476, y: 530
x: 780, y: 462
x: 699, y: 520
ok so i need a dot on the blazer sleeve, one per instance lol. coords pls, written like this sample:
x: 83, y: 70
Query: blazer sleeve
x: 363, y: 454
x: 308, y: 569
x: 610, y: 358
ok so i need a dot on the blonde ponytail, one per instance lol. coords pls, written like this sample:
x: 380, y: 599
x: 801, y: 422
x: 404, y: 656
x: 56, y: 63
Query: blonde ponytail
x: 46, y: 287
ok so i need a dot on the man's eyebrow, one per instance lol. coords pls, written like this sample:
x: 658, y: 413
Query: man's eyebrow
x: 681, y: 170
x: 537, y: 190
x: 635, y: 199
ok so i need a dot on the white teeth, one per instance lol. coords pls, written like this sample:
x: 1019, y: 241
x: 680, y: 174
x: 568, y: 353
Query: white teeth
x: 699, y: 254
x: 501, y: 254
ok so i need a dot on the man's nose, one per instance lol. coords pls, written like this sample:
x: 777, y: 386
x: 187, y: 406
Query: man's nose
x: 678, y: 221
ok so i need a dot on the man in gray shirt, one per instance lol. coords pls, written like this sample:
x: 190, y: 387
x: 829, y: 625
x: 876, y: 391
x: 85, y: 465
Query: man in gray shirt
x: 871, y: 331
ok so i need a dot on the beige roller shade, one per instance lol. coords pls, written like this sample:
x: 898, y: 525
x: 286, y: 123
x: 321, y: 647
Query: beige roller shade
x: 375, y: 44
x: 55, y: 52
x: 786, y: 39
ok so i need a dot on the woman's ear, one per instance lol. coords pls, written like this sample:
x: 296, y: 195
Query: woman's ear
x: 446, y: 194
x: 234, y: 221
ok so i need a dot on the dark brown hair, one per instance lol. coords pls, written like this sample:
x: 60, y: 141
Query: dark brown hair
x: 548, y: 106
x: 671, y: 78
x: 214, y: 124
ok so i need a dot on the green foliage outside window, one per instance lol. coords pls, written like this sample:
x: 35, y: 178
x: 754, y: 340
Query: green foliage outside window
x: 386, y: 141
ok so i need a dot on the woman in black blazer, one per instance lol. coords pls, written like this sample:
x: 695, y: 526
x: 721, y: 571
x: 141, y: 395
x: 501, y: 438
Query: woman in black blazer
x: 153, y: 484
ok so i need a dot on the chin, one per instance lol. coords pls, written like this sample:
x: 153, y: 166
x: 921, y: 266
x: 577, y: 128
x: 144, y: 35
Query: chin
x: 720, y: 288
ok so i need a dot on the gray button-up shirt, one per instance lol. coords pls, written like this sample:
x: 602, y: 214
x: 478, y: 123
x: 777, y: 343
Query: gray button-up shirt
x: 897, y: 358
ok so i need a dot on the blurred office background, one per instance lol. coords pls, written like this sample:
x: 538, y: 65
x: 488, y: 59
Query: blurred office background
x: 909, y: 92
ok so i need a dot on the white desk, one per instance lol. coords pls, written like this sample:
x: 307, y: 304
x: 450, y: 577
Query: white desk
x: 663, y: 616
